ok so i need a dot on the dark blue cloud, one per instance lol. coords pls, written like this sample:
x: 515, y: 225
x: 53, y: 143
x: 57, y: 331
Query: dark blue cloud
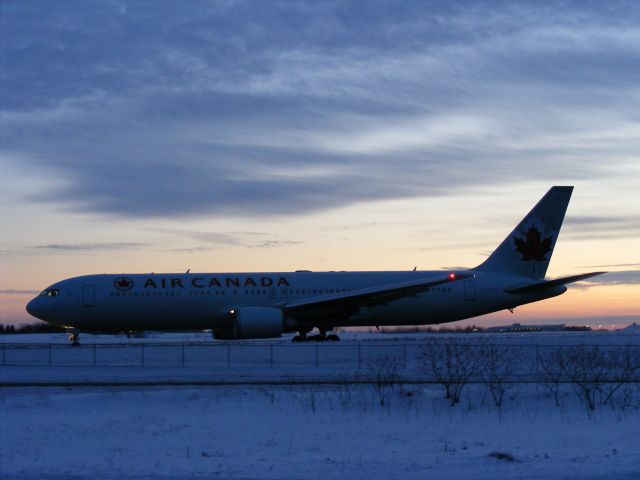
x: 144, y: 109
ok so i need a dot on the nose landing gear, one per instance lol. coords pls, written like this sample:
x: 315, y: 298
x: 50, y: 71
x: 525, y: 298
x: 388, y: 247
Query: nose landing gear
x: 74, y: 337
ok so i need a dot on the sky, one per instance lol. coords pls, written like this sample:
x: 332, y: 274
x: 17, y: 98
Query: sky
x: 272, y: 136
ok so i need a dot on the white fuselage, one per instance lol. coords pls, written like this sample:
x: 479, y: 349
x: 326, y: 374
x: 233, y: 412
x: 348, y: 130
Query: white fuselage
x: 195, y: 301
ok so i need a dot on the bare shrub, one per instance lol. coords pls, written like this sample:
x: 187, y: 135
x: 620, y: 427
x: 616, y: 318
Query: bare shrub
x: 624, y: 367
x: 305, y: 395
x: 554, y: 368
x: 312, y: 399
x: 385, y: 370
x: 497, y: 365
x: 343, y: 392
x: 411, y: 402
x: 604, y: 376
x: 452, y: 364
x: 504, y: 456
x: 588, y: 371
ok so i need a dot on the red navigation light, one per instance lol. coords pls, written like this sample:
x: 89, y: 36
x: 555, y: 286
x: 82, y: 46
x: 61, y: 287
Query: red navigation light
x: 452, y: 276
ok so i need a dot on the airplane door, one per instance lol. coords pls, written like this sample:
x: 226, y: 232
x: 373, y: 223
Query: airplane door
x: 469, y: 290
x: 88, y: 296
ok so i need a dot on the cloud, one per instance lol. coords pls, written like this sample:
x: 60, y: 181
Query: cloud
x: 614, y: 265
x: 88, y: 247
x: 209, y: 238
x: 19, y: 292
x: 598, y: 221
x: 627, y: 277
x: 591, y: 227
x: 259, y: 109
x: 620, y: 321
x: 247, y: 239
x: 274, y: 244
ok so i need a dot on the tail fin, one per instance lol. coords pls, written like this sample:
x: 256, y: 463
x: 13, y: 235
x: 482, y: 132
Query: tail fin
x: 527, y: 250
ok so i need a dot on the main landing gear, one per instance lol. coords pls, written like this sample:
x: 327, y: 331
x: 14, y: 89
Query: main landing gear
x: 320, y: 337
x: 74, y: 337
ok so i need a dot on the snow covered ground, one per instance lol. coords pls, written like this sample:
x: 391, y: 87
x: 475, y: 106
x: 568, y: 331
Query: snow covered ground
x: 300, y: 431
x: 311, y: 432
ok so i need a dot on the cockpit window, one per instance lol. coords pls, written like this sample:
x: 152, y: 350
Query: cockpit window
x: 50, y: 292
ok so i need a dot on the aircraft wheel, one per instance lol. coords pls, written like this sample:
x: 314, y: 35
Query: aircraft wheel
x: 74, y: 337
x: 333, y: 338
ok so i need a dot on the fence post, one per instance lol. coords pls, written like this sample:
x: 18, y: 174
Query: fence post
x: 142, y: 354
x: 183, y: 354
x: 49, y: 353
x: 94, y: 353
x: 271, y: 355
x: 537, y: 358
x: 404, y: 355
x: 317, y: 359
x: 228, y: 355
x: 4, y: 347
x: 359, y: 355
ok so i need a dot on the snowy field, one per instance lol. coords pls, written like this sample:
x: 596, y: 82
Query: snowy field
x: 382, y: 430
x: 311, y: 432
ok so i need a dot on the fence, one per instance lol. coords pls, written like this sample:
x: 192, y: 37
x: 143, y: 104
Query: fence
x: 195, y: 354
x: 518, y: 361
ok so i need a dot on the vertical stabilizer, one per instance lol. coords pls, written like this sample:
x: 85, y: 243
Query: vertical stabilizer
x: 527, y: 250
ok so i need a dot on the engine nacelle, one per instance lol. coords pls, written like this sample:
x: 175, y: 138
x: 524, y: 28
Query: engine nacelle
x: 257, y: 322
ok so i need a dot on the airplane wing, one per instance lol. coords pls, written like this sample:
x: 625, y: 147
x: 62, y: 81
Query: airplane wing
x: 552, y: 283
x: 348, y: 303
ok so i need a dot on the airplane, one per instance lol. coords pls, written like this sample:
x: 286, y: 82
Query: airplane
x: 268, y: 304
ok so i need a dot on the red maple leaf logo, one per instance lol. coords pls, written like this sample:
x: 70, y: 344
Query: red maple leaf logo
x: 532, y: 247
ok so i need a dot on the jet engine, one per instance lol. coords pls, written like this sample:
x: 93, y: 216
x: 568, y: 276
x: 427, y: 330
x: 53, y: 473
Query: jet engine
x: 254, y: 322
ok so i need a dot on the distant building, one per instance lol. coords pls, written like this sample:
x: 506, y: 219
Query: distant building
x: 578, y: 328
x: 518, y: 327
x: 633, y: 329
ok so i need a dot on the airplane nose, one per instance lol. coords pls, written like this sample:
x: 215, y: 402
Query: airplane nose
x: 34, y: 308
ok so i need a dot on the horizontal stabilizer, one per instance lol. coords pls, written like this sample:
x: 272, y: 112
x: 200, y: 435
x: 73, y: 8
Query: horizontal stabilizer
x: 552, y: 283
